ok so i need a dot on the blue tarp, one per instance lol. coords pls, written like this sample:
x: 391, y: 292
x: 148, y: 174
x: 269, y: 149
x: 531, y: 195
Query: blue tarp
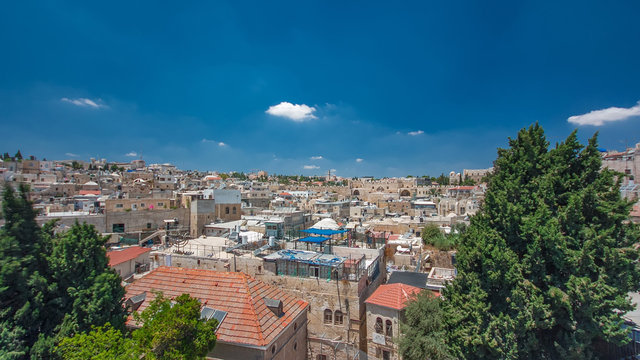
x: 324, y: 231
x: 314, y: 239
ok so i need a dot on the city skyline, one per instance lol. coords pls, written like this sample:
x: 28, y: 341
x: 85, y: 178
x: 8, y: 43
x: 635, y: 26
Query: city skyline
x: 365, y: 89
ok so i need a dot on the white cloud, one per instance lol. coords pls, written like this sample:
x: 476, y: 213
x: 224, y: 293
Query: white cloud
x: 219, y: 143
x: 600, y: 117
x: 317, y: 157
x: 131, y: 154
x: 311, y: 167
x: 359, y: 160
x: 84, y: 102
x: 295, y: 112
x: 415, y: 133
x: 71, y: 154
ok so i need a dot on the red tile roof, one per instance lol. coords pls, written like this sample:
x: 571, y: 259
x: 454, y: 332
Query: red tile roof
x: 89, y: 192
x: 249, y: 321
x: 119, y: 256
x: 393, y: 295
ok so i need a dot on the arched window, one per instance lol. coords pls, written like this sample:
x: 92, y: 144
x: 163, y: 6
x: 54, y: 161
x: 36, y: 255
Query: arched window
x: 388, y: 328
x: 338, y: 317
x: 379, y: 325
x: 226, y: 210
x: 328, y: 316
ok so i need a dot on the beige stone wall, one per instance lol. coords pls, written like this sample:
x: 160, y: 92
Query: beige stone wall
x: 374, y: 351
x: 122, y: 205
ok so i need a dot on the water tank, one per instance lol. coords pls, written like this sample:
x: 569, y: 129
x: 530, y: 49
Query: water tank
x: 245, y: 239
x: 272, y: 241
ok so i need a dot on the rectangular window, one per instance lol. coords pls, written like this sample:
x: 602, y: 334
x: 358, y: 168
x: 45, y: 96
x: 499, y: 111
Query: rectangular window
x: 160, y: 204
x: 119, y: 206
x: 118, y: 228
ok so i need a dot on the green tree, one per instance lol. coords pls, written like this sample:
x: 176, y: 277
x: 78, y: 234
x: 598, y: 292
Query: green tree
x: 423, y: 329
x: 18, y: 156
x: 101, y: 343
x: 430, y: 233
x: 174, y: 331
x: 88, y: 291
x: 544, y: 269
x: 23, y: 271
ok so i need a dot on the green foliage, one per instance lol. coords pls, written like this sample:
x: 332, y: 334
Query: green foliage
x: 89, y: 292
x: 430, y: 233
x: 101, y: 343
x: 169, y: 331
x: 423, y: 330
x: 18, y: 156
x: 174, y: 331
x: 224, y: 176
x: 544, y: 269
x: 75, y: 165
x: 23, y: 272
x: 50, y: 286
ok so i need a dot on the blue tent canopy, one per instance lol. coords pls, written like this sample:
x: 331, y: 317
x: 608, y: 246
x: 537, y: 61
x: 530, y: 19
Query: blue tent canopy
x: 323, y: 231
x: 314, y: 239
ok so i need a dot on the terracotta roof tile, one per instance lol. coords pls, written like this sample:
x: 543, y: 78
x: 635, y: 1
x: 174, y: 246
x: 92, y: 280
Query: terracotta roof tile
x: 248, y: 321
x: 393, y: 295
x: 119, y: 256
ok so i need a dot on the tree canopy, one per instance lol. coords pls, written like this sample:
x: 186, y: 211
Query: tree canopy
x: 169, y: 331
x: 50, y: 286
x: 545, y: 267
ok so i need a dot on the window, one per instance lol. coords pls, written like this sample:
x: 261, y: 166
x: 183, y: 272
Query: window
x: 388, y: 328
x: 386, y: 355
x: 321, y: 357
x: 379, y: 325
x: 118, y: 228
x: 234, y: 210
x: 149, y: 225
x: 273, y: 349
x: 226, y: 210
x: 295, y: 345
x: 328, y: 316
x: 338, y: 317
x: 141, y: 205
x: 119, y: 206
x: 160, y: 204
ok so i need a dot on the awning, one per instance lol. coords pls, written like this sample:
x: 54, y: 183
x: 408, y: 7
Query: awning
x: 313, y: 239
x: 324, y: 231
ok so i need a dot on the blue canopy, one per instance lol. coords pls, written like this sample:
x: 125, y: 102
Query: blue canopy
x: 314, y: 239
x: 323, y: 231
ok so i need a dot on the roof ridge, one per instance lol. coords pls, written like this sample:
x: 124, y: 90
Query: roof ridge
x: 254, y: 312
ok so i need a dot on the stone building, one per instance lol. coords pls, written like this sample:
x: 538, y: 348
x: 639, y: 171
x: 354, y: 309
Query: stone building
x: 256, y: 320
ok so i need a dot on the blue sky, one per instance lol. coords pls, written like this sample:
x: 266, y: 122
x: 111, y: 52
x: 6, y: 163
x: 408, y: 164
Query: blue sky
x: 301, y: 87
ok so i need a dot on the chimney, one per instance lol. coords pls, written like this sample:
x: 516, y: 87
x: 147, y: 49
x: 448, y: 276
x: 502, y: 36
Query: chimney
x: 275, y: 306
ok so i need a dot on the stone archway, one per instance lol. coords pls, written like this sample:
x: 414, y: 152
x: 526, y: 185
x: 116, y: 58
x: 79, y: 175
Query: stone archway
x: 405, y: 193
x: 356, y: 193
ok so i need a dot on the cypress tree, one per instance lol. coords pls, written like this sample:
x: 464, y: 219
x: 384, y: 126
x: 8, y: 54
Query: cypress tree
x: 544, y: 269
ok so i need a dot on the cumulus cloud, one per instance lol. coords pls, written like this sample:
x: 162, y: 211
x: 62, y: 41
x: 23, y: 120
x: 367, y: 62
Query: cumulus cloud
x: 219, y: 143
x: 131, y: 154
x: 295, y: 112
x: 359, y: 160
x: 311, y: 167
x: 317, y: 157
x: 415, y: 133
x: 71, y: 154
x: 84, y: 102
x: 603, y: 116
